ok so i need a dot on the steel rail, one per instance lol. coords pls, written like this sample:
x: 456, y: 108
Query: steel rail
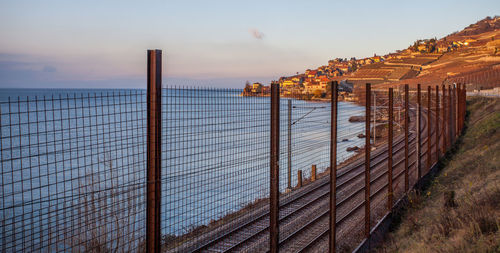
x: 344, y: 171
x: 325, y: 232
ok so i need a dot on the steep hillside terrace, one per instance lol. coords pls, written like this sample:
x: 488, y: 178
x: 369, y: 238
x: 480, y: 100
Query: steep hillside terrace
x: 416, y: 61
x: 371, y: 74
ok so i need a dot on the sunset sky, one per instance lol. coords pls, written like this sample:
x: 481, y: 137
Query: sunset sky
x: 78, y: 44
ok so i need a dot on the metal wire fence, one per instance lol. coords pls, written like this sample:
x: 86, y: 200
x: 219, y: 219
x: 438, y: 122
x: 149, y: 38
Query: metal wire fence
x: 72, y: 172
x: 73, y: 167
x: 215, y: 163
x: 486, y: 78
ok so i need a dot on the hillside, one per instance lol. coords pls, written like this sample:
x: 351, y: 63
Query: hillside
x: 476, y: 64
x: 486, y: 25
x: 460, y: 211
x: 470, y: 56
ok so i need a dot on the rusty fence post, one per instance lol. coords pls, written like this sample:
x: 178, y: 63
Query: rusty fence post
x: 464, y: 105
x: 299, y: 178
x: 333, y: 165
x: 419, y: 134
x: 389, y: 145
x: 450, y: 120
x: 367, y: 160
x: 455, y: 109
x: 459, y: 108
x: 429, y: 125
x: 462, y: 101
x: 452, y: 109
x: 313, y: 172
x: 452, y: 113
x: 153, y: 173
x: 437, y: 123
x: 407, y: 119
x: 289, y: 146
x: 462, y: 89
x: 274, y: 170
x: 459, y: 99
x: 445, y: 125
x: 446, y: 117
x: 464, y: 109
x: 452, y: 116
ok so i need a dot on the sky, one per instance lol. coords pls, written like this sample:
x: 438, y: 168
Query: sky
x: 103, y: 44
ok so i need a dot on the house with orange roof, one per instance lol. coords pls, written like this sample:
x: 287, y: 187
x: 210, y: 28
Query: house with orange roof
x: 287, y: 83
x: 266, y: 90
x: 321, y: 78
x: 312, y: 73
x: 344, y: 67
x: 256, y: 87
x: 377, y: 58
x: 310, y: 87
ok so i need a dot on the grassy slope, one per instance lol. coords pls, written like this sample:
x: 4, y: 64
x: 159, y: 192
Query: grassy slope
x: 460, y: 210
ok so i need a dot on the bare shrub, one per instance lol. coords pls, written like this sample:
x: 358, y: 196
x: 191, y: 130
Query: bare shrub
x: 108, y: 212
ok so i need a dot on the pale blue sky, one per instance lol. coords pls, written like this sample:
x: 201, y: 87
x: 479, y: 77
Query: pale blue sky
x: 103, y: 43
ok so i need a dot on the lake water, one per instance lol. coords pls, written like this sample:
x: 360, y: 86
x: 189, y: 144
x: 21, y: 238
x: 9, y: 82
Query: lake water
x: 74, y: 161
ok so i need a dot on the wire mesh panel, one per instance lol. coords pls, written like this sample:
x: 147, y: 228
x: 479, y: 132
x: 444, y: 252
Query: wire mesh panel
x: 350, y: 177
x: 304, y: 152
x: 73, y: 169
x: 304, y: 145
x: 428, y: 130
x: 72, y: 172
x: 485, y: 78
x: 398, y: 144
x: 215, y: 167
x: 413, y: 138
x: 379, y: 168
x: 305, y: 225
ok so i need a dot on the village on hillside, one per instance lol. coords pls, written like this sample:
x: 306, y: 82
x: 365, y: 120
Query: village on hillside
x: 411, y: 65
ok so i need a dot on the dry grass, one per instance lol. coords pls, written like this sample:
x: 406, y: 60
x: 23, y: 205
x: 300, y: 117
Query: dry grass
x: 460, y: 211
x: 108, y: 213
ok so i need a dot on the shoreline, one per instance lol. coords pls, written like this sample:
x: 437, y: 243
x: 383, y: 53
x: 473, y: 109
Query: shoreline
x: 311, y: 99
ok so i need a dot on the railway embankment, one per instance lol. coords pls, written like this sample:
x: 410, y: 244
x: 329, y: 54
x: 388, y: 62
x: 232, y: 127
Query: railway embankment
x: 459, y: 211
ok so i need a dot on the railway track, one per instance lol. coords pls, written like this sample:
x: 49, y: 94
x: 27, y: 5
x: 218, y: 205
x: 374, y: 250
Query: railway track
x: 304, y: 213
x: 321, y: 236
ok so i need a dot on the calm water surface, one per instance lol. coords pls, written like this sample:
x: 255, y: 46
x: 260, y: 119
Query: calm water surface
x: 63, y: 149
